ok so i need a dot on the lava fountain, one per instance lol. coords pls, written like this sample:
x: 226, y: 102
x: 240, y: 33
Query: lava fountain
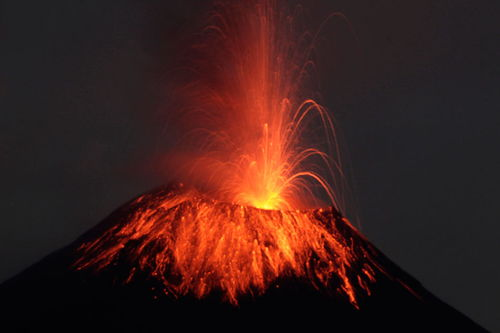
x: 258, y: 152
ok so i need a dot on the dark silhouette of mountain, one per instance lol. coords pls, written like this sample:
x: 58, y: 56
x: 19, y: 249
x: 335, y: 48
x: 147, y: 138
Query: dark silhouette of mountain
x: 52, y: 295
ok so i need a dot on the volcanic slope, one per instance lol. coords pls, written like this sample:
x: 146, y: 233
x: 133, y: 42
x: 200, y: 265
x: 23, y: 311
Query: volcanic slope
x: 54, y: 294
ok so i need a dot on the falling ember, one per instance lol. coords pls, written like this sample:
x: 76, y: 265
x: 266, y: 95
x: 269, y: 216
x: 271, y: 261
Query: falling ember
x: 250, y: 126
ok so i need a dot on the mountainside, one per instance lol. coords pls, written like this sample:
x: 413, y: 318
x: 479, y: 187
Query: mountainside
x: 57, y: 294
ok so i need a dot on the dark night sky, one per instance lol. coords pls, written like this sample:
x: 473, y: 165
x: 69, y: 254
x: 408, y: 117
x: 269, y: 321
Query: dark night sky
x: 415, y: 94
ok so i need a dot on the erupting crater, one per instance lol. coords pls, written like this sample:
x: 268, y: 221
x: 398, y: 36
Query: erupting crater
x: 264, y: 152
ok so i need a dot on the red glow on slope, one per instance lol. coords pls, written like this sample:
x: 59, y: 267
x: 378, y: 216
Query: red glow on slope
x: 195, y: 245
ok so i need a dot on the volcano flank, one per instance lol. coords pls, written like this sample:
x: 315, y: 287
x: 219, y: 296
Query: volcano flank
x: 114, y: 278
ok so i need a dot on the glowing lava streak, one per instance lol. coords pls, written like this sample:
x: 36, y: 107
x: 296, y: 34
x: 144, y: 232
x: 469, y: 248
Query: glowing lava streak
x: 255, y: 133
x: 195, y: 245
x: 250, y: 127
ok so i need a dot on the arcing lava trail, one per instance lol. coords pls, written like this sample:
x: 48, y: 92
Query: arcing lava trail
x: 252, y: 133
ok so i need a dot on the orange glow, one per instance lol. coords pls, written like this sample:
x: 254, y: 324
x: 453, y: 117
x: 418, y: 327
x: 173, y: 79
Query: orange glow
x: 197, y: 245
x: 259, y: 151
x: 256, y: 136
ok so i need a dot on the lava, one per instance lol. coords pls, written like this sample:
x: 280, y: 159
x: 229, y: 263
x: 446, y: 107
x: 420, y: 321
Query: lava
x: 196, y: 245
x: 257, y: 151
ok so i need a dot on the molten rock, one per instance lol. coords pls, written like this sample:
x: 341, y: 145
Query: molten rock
x: 195, y: 245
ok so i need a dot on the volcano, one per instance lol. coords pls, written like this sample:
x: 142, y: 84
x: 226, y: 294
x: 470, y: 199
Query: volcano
x: 72, y: 290
x: 242, y: 245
